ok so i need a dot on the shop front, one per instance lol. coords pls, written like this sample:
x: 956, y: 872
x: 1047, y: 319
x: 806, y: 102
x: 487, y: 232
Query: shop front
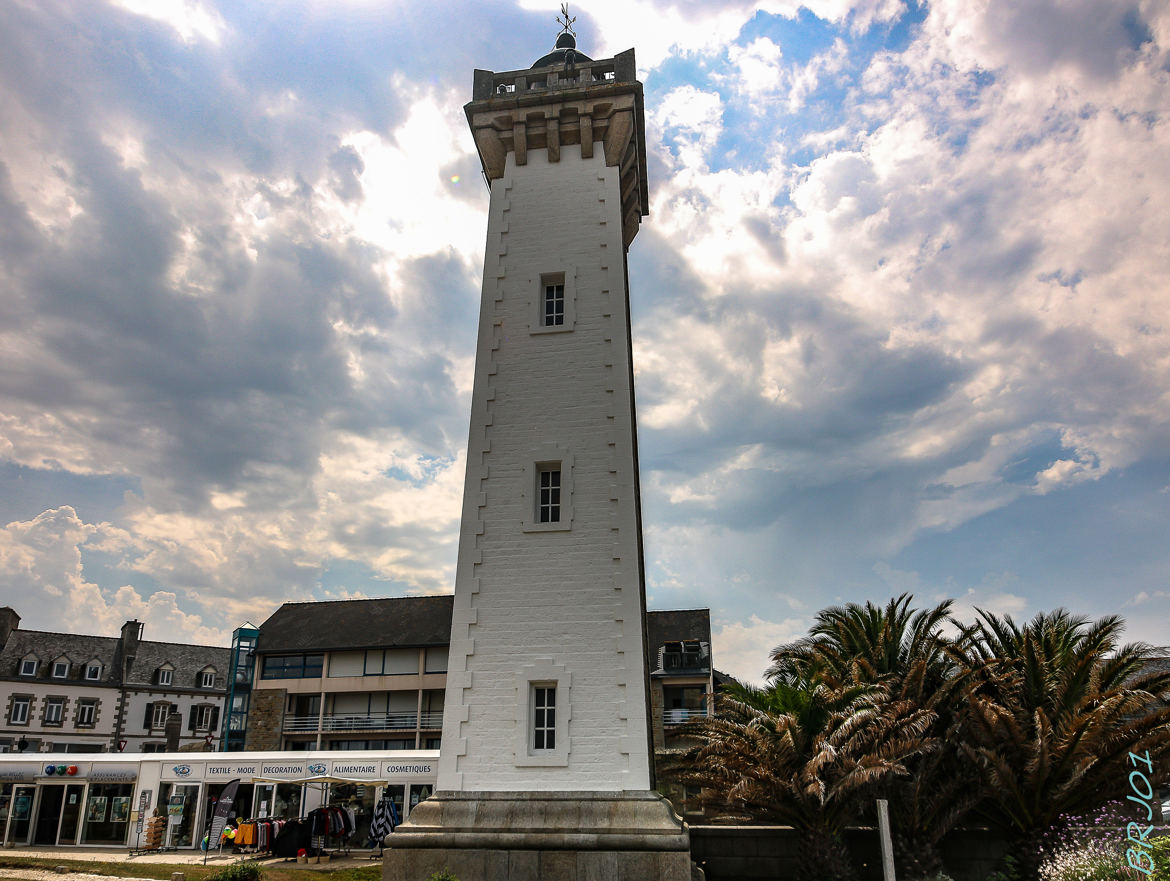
x: 103, y: 799
x: 61, y: 801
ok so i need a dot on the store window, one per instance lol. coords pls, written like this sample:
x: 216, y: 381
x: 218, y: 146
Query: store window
x: 359, y: 798
x: 178, y: 802
x: 107, y: 813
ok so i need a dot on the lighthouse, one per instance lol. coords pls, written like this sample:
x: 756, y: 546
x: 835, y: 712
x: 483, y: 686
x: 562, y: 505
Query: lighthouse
x: 546, y: 766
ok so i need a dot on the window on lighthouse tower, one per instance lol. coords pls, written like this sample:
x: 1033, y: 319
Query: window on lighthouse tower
x: 554, y: 305
x: 548, y: 501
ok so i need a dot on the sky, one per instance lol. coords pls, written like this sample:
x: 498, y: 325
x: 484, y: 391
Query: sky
x: 901, y: 307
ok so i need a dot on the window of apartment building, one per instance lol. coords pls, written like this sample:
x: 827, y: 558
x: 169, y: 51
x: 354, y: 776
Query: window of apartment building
x: 292, y: 666
x: 60, y: 668
x: 154, y: 747
x: 93, y: 671
x: 18, y: 714
x: 207, y: 679
x: 684, y: 655
x: 203, y: 718
x: 86, y: 714
x: 156, y: 715
x: 28, y: 667
x: 391, y: 662
x: 436, y: 659
x: 54, y: 710
x: 164, y: 676
x: 544, y: 717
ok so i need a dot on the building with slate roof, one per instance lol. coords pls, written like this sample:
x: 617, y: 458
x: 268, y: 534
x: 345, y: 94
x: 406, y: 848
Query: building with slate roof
x: 351, y: 674
x: 76, y: 693
x: 372, y: 674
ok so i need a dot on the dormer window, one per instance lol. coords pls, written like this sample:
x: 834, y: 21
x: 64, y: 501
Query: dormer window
x: 28, y: 667
x: 207, y: 679
x: 687, y: 654
x: 60, y: 668
x: 93, y: 671
x: 165, y: 675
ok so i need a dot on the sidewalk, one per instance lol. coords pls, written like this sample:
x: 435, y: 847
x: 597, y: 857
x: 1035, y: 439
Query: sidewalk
x: 175, y: 857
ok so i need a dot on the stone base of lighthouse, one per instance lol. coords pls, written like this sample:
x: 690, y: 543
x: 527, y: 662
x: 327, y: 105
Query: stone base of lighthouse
x: 541, y: 836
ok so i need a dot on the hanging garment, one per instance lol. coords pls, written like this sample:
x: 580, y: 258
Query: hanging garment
x: 381, y: 825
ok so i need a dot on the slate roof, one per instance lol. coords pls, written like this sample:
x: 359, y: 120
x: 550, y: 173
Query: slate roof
x: 48, y: 646
x: 188, y: 661
x: 358, y: 624
x: 677, y: 625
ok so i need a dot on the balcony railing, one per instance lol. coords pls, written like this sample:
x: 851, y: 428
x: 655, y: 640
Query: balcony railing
x: 365, y: 722
x: 677, y: 717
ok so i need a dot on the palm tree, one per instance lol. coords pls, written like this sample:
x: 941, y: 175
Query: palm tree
x: 1054, y: 708
x: 803, y: 754
x: 906, y: 652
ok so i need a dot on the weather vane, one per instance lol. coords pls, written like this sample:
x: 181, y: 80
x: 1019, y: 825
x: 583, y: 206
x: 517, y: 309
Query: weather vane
x: 565, y: 22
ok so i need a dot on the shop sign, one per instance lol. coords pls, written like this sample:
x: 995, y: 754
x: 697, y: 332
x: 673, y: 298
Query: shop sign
x: 22, y: 772
x: 229, y: 770
x: 286, y: 771
x: 356, y: 770
x: 183, y: 771
x: 407, y: 767
x: 114, y: 773
x: 64, y: 770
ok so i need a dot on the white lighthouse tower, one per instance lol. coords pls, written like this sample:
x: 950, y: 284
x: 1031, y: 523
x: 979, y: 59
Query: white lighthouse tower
x: 546, y: 767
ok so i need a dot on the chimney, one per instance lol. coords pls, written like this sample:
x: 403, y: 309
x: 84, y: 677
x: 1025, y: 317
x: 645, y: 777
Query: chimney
x: 174, y: 729
x: 9, y: 621
x: 131, y: 634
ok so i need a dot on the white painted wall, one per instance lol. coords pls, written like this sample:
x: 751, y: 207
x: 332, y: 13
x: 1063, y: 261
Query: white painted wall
x: 561, y: 603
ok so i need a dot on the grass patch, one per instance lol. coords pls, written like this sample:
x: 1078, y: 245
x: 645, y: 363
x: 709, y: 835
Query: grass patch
x: 194, y: 872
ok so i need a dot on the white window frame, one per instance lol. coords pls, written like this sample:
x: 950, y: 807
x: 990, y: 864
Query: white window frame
x: 543, y: 673
x: 54, y: 707
x: 63, y: 666
x: 24, y: 704
x: 25, y: 669
x: 166, y: 677
x: 86, y: 714
x: 567, y: 279
x: 207, y: 679
x: 165, y: 708
x: 544, y: 707
x: 203, y: 717
x: 93, y: 671
x: 544, y: 457
x: 548, y: 492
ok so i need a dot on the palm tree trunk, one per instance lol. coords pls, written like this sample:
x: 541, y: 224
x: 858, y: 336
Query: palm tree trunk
x: 916, y: 856
x: 823, y: 856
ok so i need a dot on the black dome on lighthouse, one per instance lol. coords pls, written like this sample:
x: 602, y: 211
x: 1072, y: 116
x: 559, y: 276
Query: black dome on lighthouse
x: 564, y: 53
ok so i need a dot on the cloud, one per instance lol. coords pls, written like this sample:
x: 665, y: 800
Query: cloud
x: 743, y: 648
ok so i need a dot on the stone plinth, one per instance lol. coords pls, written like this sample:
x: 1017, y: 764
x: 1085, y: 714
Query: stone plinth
x: 541, y: 836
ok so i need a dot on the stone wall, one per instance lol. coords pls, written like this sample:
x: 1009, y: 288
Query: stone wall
x: 265, y: 719
x: 747, y: 853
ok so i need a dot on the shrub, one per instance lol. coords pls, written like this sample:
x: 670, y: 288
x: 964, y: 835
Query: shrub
x: 443, y: 875
x: 1161, y: 856
x: 247, y: 870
